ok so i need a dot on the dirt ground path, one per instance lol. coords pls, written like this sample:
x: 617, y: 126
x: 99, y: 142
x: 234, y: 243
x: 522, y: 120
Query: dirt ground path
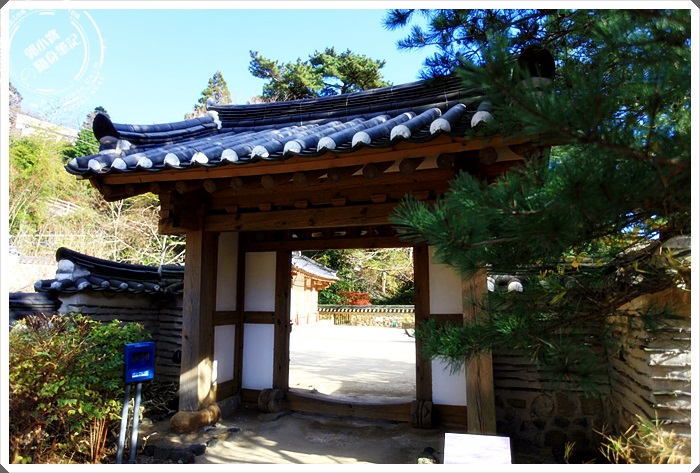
x: 248, y: 437
x: 362, y: 364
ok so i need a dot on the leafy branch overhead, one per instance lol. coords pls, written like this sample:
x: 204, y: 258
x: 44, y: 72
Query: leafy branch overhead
x: 588, y: 222
x: 323, y: 74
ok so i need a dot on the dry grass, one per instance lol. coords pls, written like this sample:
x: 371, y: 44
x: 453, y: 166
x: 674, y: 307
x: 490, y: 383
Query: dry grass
x: 647, y: 442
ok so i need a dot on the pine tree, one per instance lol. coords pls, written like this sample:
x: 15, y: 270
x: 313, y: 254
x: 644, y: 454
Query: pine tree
x: 323, y: 74
x: 586, y: 225
x: 216, y: 92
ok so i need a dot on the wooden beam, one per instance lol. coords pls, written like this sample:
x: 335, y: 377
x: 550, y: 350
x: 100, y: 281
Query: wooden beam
x: 481, y: 403
x: 338, y: 174
x: 283, y: 288
x: 421, y: 301
x: 302, y: 179
x: 257, y: 317
x: 325, y: 189
x: 319, y: 197
x: 198, y: 305
x: 301, y: 402
x: 372, y: 170
x: 409, y: 165
x: 372, y: 214
x: 442, y: 144
x: 338, y: 243
x: 488, y: 156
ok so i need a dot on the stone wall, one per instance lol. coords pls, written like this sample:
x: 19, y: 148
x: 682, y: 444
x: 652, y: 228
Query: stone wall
x: 533, y: 407
x: 397, y: 316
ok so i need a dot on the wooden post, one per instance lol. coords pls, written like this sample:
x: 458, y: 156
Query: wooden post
x: 283, y: 287
x: 481, y: 403
x: 198, y: 305
x: 421, y: 298
x: 240, y: 308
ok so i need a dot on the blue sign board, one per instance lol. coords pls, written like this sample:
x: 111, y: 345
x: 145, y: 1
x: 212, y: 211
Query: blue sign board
x: 139, y: 361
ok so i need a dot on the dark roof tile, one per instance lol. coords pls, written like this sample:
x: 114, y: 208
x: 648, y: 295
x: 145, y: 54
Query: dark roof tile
x: 243, y: 134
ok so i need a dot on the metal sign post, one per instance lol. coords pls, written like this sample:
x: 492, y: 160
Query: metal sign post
x: 139, y: 366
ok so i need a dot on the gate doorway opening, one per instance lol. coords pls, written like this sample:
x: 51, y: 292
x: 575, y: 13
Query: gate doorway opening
x: 359, y: 353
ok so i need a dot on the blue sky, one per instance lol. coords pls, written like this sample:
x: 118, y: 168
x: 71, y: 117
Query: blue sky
x: 150, y: 65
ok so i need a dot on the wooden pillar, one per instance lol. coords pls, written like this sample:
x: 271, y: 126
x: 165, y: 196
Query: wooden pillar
x: 283, y: 287
x: 198, y: 305
x: 481, y: 404
x: 421, y: 300
x: 240, y: 325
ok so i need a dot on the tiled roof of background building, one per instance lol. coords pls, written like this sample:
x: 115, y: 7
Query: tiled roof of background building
x: 77, y: 272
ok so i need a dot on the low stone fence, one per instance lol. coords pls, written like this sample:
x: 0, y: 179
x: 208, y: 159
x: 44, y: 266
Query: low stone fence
x: 399, y: 316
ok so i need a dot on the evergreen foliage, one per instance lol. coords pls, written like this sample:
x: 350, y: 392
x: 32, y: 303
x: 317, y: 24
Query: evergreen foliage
x: 216, y: 92
x: 586, y: 225
x: 323, y: 74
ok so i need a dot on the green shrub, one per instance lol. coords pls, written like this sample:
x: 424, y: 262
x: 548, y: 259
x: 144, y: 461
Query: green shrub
x: 66, y: 386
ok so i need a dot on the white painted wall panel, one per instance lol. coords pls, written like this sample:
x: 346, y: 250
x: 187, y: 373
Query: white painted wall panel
x: 445, y: 288
x: 227, y: 271
x: 258, y: 347
x: 449, y: 389
x: 224, y: 350
x: 260, y: 281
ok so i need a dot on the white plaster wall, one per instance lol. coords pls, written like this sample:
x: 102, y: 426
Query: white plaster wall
x: 448, y: 389
x: 260, y: 281
x: 224, y: 350
x: 258, y: 348
x: 445, y: 288
x: 227, y: 271
x: 446, y: 298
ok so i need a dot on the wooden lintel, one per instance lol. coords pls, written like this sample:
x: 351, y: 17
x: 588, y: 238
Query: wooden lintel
x: 251, y: 317
x: 338, y: 201
x: 332, y: 243
x: 226, y: 317
x: 378, y: 198
x: 355, y: 215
